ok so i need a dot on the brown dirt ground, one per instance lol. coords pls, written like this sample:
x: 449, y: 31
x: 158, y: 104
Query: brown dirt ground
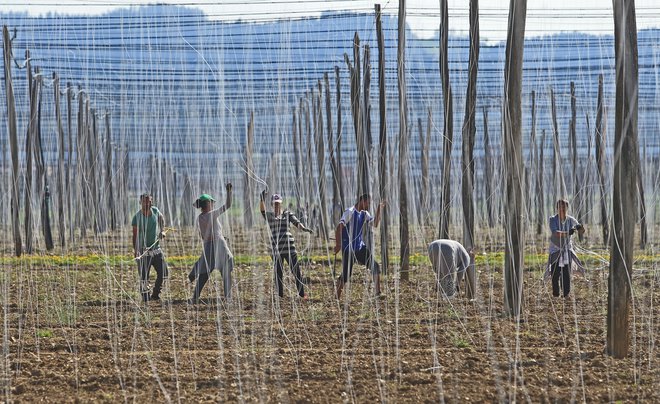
x: 76, y: 334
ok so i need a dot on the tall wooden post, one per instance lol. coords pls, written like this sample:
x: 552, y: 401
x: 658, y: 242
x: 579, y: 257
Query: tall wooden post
x: 81, y: 163
x: 336, y: 210
x: 340, y: 180
x: 94, y: 169
x: 488, y: 173
x: 29, y: 139
x: 382, y: 142
x: 448, y: 131
x: 42, y: 193
x: 624, y: 195
x: 320, y: 162
x: 577, y: 194
x: 297, y: 128
x: 540, y: 166
x: 534, y: 165
x: 249, y: 170
x: 469, y: 134
x: 109, y: 177
x: 13, y: 142
x: 424, y: 142
x: 60, y: 162
x: 512, y: 153
x: 600, y: 160
x: 70, y: 184
x: 558, y: 181
x: 403, y: 143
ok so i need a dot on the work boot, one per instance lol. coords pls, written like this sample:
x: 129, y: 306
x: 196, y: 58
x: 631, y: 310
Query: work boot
x: 340, y: 286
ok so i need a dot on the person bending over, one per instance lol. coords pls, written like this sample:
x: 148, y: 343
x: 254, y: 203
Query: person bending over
x: 450, y: 261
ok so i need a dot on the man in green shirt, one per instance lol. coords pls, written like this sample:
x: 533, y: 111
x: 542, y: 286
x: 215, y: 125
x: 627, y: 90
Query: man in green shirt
x: 148, y: 224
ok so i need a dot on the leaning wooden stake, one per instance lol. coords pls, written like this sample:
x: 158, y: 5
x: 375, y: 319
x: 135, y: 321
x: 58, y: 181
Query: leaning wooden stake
x: 512, y: 153
x: 448, y: 132
x: 13, y: 142
x: 624, y: 192
x: 467, y: 156
x: 600, y: 160
x: 403, y: 143
x: 382, y: 142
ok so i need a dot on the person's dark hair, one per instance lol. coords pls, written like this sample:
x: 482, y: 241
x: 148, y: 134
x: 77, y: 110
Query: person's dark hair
x: 364, y: 197
x: 201, y: 204
x: 144, y: 196
x: 561, y: 202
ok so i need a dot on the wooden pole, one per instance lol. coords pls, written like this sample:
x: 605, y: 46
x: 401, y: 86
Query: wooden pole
x: 534, y: 165
x: 448, y: 131
x: 467, y: 156
x: 42, y: 192
x: 558, y: 182
x: 13, y: 142
x: 336, y: 209
x: 249, y: 170
x: 70, y: 184
x: 309, y: 163
x: 60, y: 162
x: 296, y: 157
x: 403, y: 144
x: 339, y: 136
x: 512, y: 153
x: 382, y: 142
x: 366, y: 113
x: 488, y: 173
x: 93, y: 172
x: 600, y: 160
x: 540, y: 217
x: 424, y: 140
x: 577, y: 194
x: 29, y: 139
x: 81, y: 163
x: 320, y: 161
x: 624, y: 193
x: 109, y: 175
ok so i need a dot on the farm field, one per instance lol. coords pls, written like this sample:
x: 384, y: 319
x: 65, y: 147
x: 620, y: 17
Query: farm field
x: 76, y: 333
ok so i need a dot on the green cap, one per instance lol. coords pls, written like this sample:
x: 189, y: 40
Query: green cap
x: 206, y: 197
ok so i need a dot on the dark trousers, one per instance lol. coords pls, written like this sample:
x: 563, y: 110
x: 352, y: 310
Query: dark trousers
x: 144, y: 268
x: 362, y: 256
x: 292, y: 260
x: 562, y: 274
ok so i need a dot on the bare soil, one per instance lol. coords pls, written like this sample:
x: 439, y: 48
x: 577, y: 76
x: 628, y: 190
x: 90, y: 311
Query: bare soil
x: 79, y: 334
